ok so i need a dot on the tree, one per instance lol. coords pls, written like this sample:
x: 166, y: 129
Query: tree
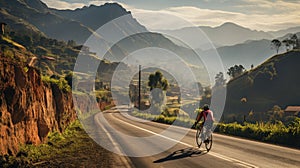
x: 220, y: 80
x: 235, y: 71
x: 71, y: 43
x: 157, y: 80
x: 276, y: 113
x: 292, y: 42
x: 288, y: 43
x: 275, y: 44
x: 295, y: 41
x: 207, y: 91
x: 158, y: 84
x: 206, y: 97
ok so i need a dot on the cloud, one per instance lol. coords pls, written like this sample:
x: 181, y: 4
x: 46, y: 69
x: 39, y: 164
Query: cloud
x: 255, y: 14
x: 268, y: 6
x: 58, y: 4
x: 168, y: 18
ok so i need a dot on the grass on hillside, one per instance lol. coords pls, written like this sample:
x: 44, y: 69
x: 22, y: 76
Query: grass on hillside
x: 57, y: 144
x: 61, y: 83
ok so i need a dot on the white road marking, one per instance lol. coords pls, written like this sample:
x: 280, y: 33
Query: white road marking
x: 235, y: 161
x: 127, y: 162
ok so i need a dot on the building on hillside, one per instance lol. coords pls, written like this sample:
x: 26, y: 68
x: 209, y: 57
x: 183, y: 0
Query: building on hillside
x: 292, y: 111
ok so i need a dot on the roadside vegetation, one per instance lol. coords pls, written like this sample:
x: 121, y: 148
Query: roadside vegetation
x: 72, y: 148
x: 277, y: 132
x: 57, y: 144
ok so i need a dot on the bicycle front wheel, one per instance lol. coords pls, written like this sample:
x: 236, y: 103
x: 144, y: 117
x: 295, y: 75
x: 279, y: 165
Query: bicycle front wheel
x: 198, y: 137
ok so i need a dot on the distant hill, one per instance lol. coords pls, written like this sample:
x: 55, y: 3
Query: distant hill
x: 146, y: 42
x: 79, y: 24
x: 38, y: 5
x: 239, y: 45
x: 18, y: 25
x: 246, y: 54
x: 226, y: 34
x: 96, y: 16
x: 287, y: 36
x: 250, y: 52
x: 35, y: 14
x: 281, y: 33
x: 275, y: 82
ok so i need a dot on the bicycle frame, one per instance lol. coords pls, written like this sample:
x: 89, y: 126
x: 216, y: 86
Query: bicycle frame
x: 199, y: 137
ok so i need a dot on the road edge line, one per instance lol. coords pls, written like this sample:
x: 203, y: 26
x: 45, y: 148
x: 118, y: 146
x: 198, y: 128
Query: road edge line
x: 126, y: 161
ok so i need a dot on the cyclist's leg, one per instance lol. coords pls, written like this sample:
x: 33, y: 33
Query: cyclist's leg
x: 203, y: 132
x: 208, y: 129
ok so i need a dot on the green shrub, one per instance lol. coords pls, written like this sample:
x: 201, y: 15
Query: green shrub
x: 61, y: 83
x: 8, y: 53
x: 276, y: 132
x: 56, y: 142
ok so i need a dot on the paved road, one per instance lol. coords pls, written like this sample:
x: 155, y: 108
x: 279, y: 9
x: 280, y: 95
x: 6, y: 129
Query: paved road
x: 226, y: 151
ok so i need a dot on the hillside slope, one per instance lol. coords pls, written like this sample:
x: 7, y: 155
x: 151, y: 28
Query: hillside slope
x: 29, y: 108
x: 96, y: 16
x: 52, y: 25
x: 272, y: 83
x: 18, y: 25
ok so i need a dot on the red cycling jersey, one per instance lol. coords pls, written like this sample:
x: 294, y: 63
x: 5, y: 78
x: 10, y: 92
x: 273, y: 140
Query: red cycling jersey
x: 208, y: 116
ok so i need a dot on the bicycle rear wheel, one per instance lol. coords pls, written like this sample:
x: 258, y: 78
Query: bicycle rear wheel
x: 198, y: 137
x: 208, y: 144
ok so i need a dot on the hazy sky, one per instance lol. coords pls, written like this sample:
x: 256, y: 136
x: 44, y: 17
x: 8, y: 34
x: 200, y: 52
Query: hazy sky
x: 155, y: 14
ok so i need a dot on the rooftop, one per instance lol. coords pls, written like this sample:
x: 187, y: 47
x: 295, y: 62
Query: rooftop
x: 292, y: 109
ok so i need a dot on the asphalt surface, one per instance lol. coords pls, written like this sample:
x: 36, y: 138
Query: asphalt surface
x: 147, y: 144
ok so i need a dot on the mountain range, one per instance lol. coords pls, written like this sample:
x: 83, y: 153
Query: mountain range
x: 235, y: 44
x: 247, y: 54
x: 225, y: 35
x: 38, y: 18
x: 272, y: 82
x: 228, y: 34
x: 80, y: 24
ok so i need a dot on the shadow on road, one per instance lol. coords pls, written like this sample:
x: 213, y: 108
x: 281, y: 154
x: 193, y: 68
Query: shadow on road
x: 183, y: 153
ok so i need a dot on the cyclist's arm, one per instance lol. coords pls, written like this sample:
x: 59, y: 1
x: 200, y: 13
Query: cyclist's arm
x: 212, y: 117
x: 199, y: 116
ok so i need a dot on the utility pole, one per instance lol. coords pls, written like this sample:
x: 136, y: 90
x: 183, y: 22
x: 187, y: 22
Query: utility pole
x: 140, y: 77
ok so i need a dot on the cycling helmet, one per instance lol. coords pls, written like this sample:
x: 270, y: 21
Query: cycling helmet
x: 206, y: 107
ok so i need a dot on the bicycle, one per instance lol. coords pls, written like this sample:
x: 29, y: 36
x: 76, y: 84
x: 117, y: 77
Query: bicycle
x: 200, y: 134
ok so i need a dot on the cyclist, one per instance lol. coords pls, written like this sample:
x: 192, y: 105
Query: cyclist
x: 208, y: 121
